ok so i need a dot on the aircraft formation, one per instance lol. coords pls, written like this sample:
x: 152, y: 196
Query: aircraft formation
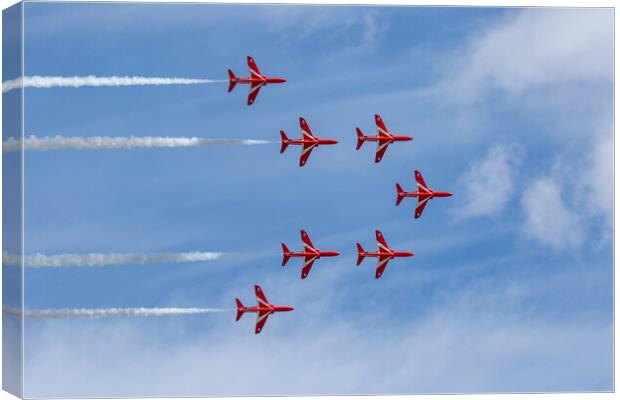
x: 308, y: 142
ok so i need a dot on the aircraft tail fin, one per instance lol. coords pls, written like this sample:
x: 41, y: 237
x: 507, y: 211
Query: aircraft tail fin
x: 360, y: 254
x: 233, y: 80
x: 240, y: 308
x: 286, y: 254
x: 400, y: 194
x: 360, y: 139
x: 284, y: 141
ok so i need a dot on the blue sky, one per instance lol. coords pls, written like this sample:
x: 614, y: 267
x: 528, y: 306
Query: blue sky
x: 511, y: 285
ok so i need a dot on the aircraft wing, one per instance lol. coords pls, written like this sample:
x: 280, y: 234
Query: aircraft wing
x: 308, y: 262
x: 422, y: 186
x: 419, y: 208
x: 261, y: 319
x: 381, y: 243
x: 306, y: 133
x: 381, y: 128
x: 306, y: 150
x: 254, y: 71
x: 254, y: 89
x: 382, y: 146
x: 260, y: 296
x: 305, y: 239
x: 382, y: 262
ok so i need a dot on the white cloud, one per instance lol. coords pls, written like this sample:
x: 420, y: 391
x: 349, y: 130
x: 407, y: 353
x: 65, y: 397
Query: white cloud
x: 556, y: 67
x: 489, y: 183
x: 464, y: 342
x: 353, y: 31
x: 539, y: 47
x: 547, y: 219
x: 595, y: 180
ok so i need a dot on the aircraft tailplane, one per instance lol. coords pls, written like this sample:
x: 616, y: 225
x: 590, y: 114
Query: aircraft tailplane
x: 284, y: 141
x: 400, y: 194
x: 240, y: 308
x: 360, y: 139
x: 233, y: 80
x: 360, y: 254
x: 286, y: 254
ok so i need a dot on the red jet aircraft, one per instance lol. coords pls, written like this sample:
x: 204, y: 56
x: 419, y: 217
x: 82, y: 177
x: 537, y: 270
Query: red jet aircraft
x: 307, y: 142
x: 424, y: 194
x: 384, y: 254
x: 256, y: 81
x: 263, y: 309
x: 383, y: 138
x: 309, y: 254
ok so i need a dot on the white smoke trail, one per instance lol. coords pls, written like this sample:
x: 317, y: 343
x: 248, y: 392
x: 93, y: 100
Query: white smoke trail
x: 108, y: 312
x: 45, y: 82
x: 100, y: 260
x: 118, y: 142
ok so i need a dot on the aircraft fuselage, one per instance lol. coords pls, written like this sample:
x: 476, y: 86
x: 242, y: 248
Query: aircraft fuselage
x: 318, y: 254
x: 425, y: 194
x: 264, y: 309
x: 318, y: 142
x: 256, y: 81
x: 387, y: 139
x: 387, y: 254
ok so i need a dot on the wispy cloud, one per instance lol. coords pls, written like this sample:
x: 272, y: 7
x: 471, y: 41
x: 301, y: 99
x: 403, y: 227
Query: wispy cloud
x: 460, y: 341
x: 547, y: 218
x: 595, y: 190
x: 542, y: 62
x: 352, y: 31
x: 489, y: 183
x: 534, y: 49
